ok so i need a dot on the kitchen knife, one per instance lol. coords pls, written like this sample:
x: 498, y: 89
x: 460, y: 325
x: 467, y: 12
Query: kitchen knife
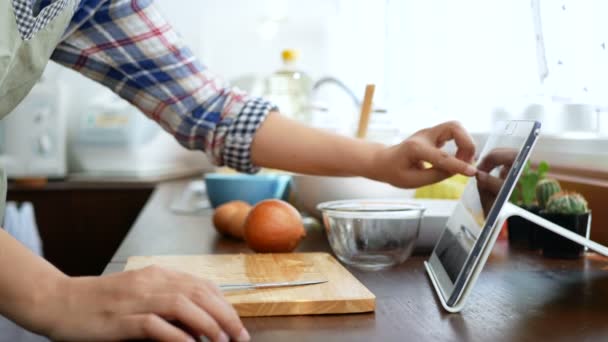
x: 247, y: 286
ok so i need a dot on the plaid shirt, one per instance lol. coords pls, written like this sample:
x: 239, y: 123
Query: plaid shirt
x: 130, y: 48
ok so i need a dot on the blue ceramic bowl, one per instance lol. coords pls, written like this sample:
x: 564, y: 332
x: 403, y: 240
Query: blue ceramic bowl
x: 222, y: 188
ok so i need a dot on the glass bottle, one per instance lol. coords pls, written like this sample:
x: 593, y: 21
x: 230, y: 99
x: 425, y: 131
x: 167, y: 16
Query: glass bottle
x: 290, y: 88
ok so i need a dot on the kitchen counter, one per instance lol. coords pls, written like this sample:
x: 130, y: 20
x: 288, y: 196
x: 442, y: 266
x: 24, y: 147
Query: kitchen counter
x: 520, y: 296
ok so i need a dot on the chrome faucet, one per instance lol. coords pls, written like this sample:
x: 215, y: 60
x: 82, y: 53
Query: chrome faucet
x: 340, y: 84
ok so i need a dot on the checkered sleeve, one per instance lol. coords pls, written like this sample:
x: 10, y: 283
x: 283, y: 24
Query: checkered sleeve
x: 129, y: 47
x: 32, y: 17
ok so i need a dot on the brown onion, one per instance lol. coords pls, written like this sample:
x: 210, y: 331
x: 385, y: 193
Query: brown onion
x: 274, y: 226
x: 229, y: 218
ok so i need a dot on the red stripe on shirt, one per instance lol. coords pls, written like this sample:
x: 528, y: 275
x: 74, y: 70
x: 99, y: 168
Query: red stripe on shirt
x: 82, y: 59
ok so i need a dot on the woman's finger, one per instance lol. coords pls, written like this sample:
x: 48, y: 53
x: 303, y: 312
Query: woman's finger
x: 148, y: 326
x: 210, y: 298
x: 221, y: 311
x: 181, y: 308
x: 498, y: 157
x: 489, y: 183
x: 452, y: 130
x: 442, y: 160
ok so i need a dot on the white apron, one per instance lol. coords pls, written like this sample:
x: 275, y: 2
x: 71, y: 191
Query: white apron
x: 26, y: 45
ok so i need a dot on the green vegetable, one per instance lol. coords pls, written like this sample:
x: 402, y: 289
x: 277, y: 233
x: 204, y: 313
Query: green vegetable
x: 524, y: 193
x: 567, y: 203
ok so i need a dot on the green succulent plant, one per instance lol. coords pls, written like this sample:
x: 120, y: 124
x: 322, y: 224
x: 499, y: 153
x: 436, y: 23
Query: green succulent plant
x: 545, y: 188
x: 567, y: 203
x: 524, y: 193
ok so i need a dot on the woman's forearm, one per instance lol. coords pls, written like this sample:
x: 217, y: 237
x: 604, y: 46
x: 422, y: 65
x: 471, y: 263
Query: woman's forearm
x: 26, y: 283
x: 285, y: 144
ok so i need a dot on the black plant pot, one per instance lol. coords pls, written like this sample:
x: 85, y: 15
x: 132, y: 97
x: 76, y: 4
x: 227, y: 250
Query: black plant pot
x: 556, y: 246
x: 524, y: 233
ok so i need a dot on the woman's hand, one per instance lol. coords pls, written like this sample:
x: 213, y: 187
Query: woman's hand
x: 140, y: 304
x: 403, y: 165
x: 502, y: 158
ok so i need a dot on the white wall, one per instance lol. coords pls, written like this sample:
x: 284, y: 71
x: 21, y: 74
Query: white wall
x: 239, y: 37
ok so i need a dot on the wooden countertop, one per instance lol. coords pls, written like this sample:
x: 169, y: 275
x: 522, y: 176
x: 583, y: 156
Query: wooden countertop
x: 520, y: 296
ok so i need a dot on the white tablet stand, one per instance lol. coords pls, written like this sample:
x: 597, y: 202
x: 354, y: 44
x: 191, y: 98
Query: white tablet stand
x: 510, y: 209
x: 507, y: 211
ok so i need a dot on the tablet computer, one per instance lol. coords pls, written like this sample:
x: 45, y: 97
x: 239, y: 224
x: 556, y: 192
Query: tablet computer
x: 471, y: 230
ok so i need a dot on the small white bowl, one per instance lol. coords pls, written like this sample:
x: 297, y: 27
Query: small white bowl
x: 310, y: 191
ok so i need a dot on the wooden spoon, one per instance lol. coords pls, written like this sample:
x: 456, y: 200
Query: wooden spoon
x: 366, y: 109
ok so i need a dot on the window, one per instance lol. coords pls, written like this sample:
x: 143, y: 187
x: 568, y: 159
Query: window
x: 478, y: 61
x: 459, y: 59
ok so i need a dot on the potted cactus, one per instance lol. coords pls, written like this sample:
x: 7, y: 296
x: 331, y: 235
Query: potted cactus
x: 523, y: 233
x: 569, y: 210
x: 546, y: 188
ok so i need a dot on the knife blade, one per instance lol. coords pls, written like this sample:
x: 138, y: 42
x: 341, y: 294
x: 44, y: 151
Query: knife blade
x: 246, y: 286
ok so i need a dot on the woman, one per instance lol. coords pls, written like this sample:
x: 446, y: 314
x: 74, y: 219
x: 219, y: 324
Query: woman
x: 128, y: 47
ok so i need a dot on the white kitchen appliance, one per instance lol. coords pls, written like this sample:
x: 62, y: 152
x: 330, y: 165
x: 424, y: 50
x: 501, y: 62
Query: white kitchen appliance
x: 109, y: 139
x: 33, y: 135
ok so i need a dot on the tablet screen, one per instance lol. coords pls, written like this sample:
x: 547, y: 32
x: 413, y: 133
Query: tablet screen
x: 483, y: 196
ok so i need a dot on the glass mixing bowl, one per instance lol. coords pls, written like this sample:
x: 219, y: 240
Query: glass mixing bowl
x: 371, y: 234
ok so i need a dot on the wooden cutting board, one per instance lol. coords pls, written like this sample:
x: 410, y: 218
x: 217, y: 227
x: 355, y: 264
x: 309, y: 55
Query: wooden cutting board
x: 342, y: 293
